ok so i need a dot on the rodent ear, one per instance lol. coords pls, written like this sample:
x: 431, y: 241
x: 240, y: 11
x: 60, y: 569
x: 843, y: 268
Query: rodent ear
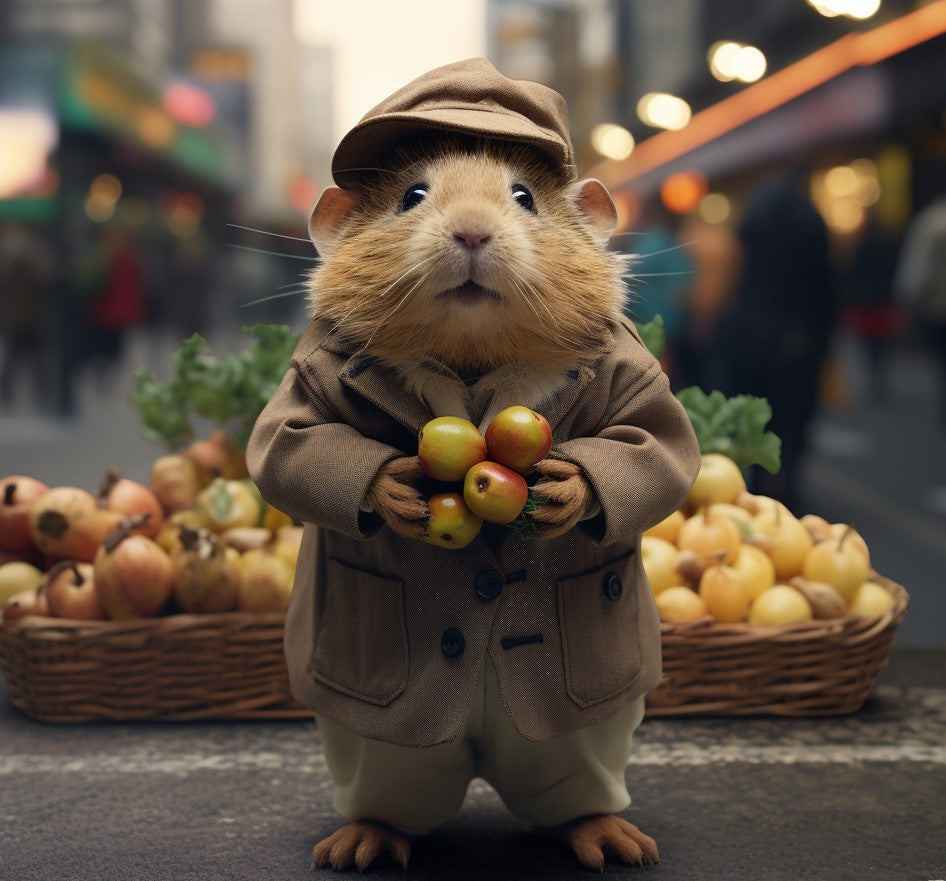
x: 595, y: 203
x: 329, y: 216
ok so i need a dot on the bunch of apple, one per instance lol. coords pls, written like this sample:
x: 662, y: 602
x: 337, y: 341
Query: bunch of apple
x: 492, y: 469
x: 738, y: 557
x: 198, y: 539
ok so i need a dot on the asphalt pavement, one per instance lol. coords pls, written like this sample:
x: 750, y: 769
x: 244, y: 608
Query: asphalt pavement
x: 853, y: 798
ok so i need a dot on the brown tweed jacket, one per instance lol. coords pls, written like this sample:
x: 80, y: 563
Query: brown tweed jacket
x: 387, y: 636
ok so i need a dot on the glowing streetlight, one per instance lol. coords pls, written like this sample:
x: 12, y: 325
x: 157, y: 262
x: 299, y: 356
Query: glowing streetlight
x: 856, y: 9
x: 612, y: 141
x: 730, y: 61
x: 662, y: 110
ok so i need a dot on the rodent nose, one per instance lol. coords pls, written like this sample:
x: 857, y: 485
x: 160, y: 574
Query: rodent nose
x: 472, y: 240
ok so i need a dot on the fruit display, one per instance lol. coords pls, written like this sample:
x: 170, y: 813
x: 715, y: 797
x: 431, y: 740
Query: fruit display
x: 738, y: 558
x: 199, y: 539
x: 490, y: 471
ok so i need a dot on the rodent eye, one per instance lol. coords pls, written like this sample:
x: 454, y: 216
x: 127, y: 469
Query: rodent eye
x: 416, y: 193
x: 522, y: 195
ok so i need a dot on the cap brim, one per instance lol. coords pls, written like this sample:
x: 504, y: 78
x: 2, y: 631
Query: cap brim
x: 362, y: 148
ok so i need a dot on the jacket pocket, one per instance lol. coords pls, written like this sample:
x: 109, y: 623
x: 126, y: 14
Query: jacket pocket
x: 598, y: 617
x: 361, y: 635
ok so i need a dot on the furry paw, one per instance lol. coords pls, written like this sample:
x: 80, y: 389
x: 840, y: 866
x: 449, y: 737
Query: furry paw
x: 393, y: 495
x: 564, y: 496
x: 360, y: 844
x: 594, y: 838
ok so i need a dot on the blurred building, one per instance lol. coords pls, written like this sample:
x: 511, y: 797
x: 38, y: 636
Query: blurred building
x: 817, y: 84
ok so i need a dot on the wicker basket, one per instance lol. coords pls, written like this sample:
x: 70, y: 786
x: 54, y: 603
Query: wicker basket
x: 814, y: 668
x: 189, y: 667
x: 179, y: 667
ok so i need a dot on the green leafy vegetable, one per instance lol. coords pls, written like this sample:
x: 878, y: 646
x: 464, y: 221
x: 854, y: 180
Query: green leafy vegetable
x: 652, y: 334
x: 229, y: 391
x: 733, y: 426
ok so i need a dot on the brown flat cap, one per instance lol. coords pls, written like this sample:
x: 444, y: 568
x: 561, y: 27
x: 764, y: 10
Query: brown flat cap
x: 469, y: 97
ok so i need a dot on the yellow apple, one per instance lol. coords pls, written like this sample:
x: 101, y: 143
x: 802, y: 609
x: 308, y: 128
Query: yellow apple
x: 719, y: 480
x: 669, y: 528
x: 677, y: 605
x: 756, y: 568
x: 780, y: 604
x: 452, y: 524
x: 710, y: 535
x: 870, y: 599
x: 837, y: 562
x: 449, y: 446
x: 495, y: 493
x: 783, y: 538
x: 264, y: 582
x: 17, y: 576
x: 853, y: 537
x: 518, y: 437
x: 659, y: 559
x: 725, y: 594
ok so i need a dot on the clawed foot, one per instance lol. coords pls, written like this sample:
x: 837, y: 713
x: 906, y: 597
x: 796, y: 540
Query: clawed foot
x: 359, y: 844
x: 593, y: 838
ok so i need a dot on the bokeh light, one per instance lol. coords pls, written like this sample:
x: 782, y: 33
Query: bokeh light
x: 730, y: 61
x: 715, y: 208
x: 682, y: 192
x: 662, y: 110
x: 612, y: 141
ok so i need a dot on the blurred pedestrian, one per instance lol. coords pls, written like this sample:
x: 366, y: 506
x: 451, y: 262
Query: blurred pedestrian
x: 921, y: 283
x: 773, y: 338
x: 868, y: 311
x: 716, y: 253
x: 117, y: 306
x: 25, y: 272
x: 661, y: 273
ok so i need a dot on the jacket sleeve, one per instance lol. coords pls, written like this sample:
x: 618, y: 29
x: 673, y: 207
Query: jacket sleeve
x: 643, y: 461
x: 312, y: 466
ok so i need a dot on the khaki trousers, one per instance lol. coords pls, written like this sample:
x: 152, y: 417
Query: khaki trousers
x: 545, y: 783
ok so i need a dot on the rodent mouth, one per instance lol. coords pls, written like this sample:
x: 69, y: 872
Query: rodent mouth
x: 469, y: 293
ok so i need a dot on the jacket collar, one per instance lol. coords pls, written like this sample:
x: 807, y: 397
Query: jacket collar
x: 378, y: 383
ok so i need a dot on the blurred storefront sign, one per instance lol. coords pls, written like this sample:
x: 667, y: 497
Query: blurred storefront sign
x: 100, y: 92
x: 48, y: 92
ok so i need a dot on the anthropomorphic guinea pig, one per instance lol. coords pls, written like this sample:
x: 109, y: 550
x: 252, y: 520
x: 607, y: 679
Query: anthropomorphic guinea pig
x: 465, y: 270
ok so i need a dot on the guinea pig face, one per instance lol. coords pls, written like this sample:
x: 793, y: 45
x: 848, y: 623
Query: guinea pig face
x: 471, y: 258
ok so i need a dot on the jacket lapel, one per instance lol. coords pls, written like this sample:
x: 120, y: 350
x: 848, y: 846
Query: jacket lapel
x: 378, y: 384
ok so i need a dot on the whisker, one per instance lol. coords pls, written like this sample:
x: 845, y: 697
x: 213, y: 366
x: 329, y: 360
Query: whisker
x: 665, y: 250
x: 411, y: 269
x: 302, y: 280
x: 655, y: 274
x: 400, y: 303
x: 266, y: 232
x: 274, y: 297
x: 273, y: 253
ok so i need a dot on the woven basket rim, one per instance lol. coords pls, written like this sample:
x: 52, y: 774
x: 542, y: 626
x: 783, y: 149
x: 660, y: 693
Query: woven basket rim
x: 167, y: 623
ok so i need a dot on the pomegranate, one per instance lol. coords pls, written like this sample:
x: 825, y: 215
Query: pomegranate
x: 17, y: 493
x: 117, y: 493
x: 70, y: 592
x: 133, y: 576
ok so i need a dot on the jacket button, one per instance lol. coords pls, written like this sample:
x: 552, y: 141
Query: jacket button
x: 452, y: 643
x: 613, y: 587
x: 489, y: 585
